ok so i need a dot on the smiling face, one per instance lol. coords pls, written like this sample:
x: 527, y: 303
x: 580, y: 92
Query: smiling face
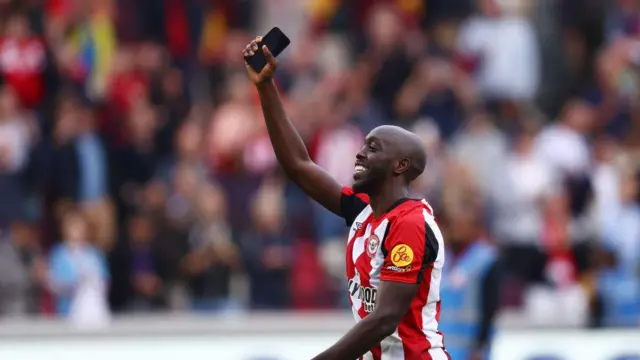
x: 389, y: 154
x: 374, y: 163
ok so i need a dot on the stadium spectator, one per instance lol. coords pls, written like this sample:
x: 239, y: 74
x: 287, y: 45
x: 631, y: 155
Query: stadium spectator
x: 268, y: 251
x: 471, y: 287
x: 13, y: 279
x: 621, y: 231
x: 501, y: 43
x: 78, y: 275
x: 17, y: 136
x: 23, y: 60
x: 211, y: 257
x: 148, y: 292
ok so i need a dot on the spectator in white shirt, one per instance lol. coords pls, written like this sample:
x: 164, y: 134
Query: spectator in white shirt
x: 564, y: 145
x: 504, y: 46
x: 527, y: 181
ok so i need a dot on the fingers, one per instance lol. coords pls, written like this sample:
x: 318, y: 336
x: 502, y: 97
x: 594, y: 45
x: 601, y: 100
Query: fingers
x: 252, y: 48
x: 271, y: 60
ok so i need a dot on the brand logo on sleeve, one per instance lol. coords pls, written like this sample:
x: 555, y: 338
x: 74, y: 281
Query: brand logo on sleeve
x: 399, y: 269
x: 401, y: 255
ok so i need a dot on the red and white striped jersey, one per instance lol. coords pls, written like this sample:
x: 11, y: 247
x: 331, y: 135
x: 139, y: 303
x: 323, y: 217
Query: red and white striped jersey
x: 403, y: 245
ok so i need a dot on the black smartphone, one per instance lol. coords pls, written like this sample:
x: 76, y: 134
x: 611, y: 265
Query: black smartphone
x: 276, y: 41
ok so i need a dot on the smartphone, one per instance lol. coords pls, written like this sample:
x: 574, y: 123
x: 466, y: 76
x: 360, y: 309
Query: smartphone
x: 276, y: 41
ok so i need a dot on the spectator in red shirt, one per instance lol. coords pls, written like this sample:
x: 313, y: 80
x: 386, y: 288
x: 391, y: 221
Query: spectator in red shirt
x: 22, y: 61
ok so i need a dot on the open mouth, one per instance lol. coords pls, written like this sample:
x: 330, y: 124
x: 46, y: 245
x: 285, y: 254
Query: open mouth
x: 359, y: 169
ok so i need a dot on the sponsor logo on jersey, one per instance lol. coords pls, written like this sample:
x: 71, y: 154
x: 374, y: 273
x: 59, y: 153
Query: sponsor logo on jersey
x: 399, y: 269
x: 401, y: 255
x: 367, y: 295
x: 371, y: 245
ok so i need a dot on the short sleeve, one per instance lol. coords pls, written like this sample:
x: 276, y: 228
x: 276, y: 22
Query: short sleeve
x: 352, y: 204
x: 410, y: 249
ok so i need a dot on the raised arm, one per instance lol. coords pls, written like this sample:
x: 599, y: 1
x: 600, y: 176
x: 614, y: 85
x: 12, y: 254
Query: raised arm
x: 287, y: 144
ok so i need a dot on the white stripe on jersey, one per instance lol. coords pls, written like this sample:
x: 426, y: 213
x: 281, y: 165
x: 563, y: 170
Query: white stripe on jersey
x: 361, y: 218
x: 438, y: 354
x: 378, y: 261
x: 429, y: 322
x: 392, y: 348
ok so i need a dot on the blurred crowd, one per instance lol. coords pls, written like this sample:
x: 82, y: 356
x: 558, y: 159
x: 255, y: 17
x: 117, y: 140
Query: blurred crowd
x: 136, y: 173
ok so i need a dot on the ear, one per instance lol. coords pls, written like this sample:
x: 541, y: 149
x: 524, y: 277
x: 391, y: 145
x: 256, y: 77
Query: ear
x: 402, y: 166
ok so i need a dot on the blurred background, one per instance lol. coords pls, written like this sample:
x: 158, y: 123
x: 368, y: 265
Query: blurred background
x: 138, y: 186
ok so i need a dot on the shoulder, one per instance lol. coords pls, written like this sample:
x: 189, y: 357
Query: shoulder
x: 412, y: 223
x: 411, y: 212
x: 408, y: 220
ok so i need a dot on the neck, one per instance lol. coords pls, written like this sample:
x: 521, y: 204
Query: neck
x: 383, y: 200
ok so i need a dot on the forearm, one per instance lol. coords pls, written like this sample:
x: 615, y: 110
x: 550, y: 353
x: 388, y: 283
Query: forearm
x: 367, y: 334
x: 287, y: 143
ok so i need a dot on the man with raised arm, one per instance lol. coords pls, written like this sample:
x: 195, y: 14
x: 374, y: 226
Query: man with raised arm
x: 395, y: 251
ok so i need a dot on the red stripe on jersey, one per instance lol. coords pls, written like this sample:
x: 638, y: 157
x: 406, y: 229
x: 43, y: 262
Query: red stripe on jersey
x: 377, y: 353
x: 416, y: 345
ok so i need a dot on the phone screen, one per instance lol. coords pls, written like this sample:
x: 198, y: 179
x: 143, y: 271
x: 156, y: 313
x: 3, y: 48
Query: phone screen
x: 276, y: 41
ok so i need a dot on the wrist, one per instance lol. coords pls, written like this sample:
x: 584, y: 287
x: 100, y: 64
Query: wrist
x: 262, y: 85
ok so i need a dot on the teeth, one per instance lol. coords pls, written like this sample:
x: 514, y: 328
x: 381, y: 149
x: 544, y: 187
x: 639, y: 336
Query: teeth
x: 360, y: 168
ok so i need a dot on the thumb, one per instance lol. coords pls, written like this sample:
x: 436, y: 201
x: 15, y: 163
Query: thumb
x: 249, y: 68
x: 271, y: 60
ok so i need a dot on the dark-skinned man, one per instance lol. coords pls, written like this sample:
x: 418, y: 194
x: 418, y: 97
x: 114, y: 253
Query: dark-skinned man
x: 395, y: 250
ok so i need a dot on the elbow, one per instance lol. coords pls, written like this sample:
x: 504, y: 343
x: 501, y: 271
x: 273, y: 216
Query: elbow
x: 387, y: 323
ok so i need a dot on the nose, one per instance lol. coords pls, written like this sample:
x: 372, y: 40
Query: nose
x: 361, y: 155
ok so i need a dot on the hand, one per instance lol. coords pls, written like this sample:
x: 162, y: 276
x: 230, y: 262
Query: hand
x: 267, y: 72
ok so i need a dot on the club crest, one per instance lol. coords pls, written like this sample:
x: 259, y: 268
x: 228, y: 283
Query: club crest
x: 371, y: 245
